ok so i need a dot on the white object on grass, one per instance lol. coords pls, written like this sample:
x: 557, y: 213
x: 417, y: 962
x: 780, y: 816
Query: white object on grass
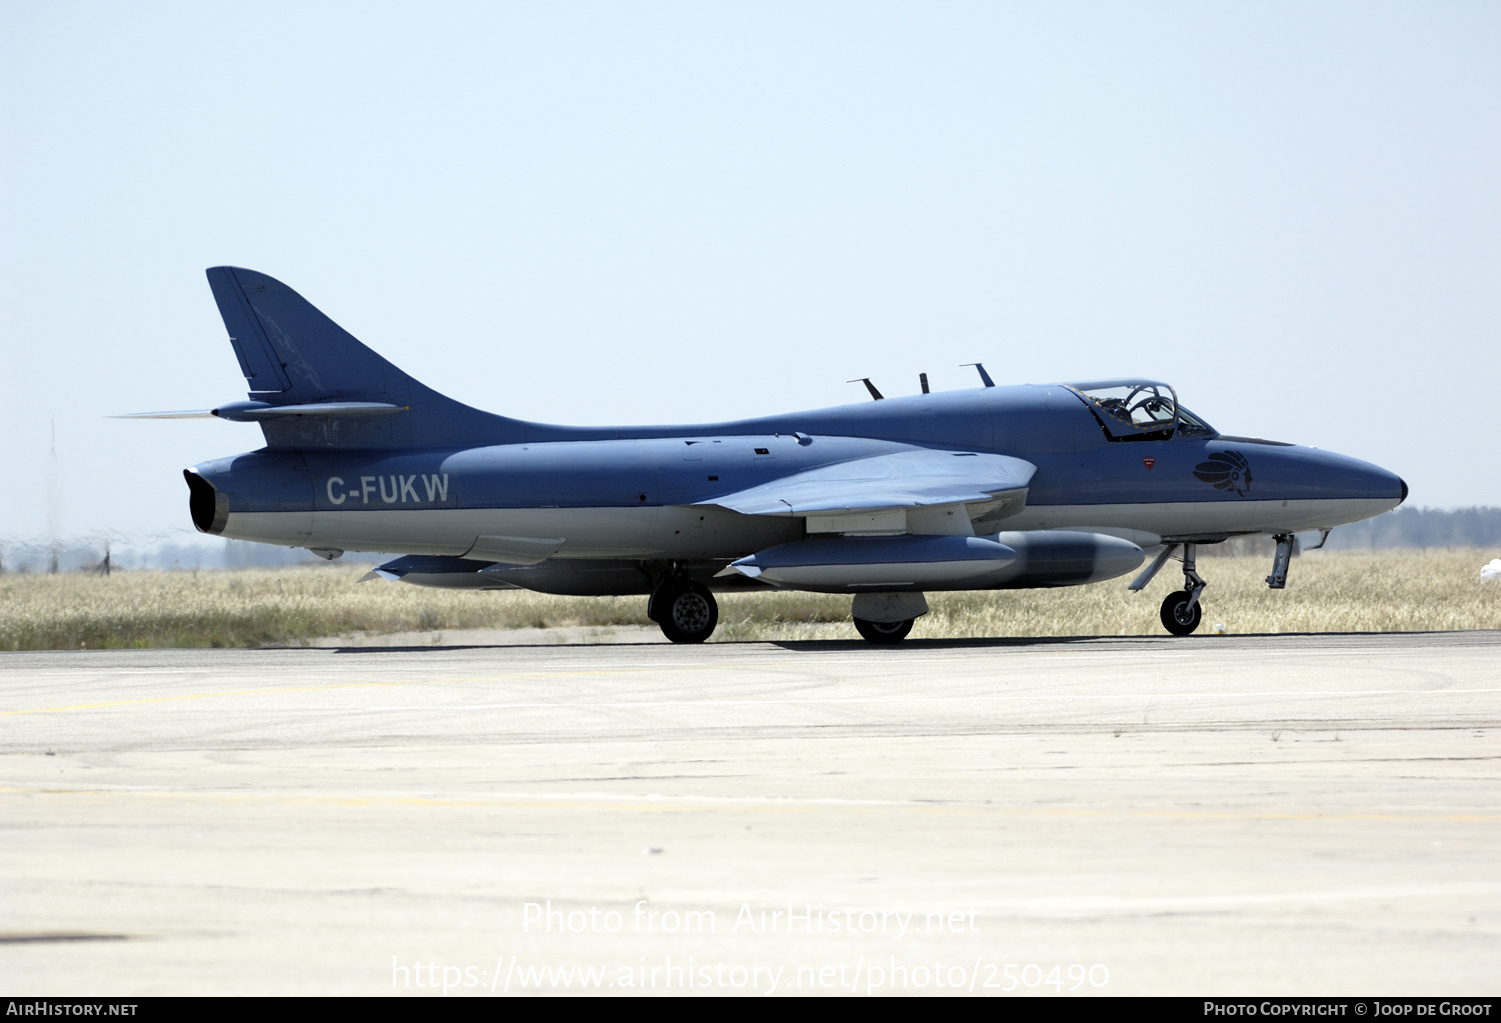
x: 1490, y: 573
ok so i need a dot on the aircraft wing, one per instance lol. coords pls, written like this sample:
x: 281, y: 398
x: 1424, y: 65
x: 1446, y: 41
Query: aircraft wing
x: 904, y: 479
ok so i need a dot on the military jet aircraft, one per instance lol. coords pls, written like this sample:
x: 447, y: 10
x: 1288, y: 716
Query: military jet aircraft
x: 987, y: 488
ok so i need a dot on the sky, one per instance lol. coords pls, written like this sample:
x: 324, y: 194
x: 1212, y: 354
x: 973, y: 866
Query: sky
x: 650, y: 212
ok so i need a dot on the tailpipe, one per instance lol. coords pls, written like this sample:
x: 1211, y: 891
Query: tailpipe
x: 208, y: 507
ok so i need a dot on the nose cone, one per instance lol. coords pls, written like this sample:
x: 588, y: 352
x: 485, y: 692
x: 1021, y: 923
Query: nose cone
x: 1339, y: 489
x: 1387, y: 486
x: 1324, y: 474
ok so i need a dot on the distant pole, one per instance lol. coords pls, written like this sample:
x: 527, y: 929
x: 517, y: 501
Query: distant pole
x: 53, y: 501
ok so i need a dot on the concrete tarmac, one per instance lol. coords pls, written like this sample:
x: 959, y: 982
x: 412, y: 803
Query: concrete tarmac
x: 1258, y: 815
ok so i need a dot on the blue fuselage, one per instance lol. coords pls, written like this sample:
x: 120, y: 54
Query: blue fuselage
x: 648, y: 493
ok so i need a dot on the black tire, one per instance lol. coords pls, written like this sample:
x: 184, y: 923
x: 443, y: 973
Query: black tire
x: 884, y: 632
x: 687, y: 612
x: 1177, y: 617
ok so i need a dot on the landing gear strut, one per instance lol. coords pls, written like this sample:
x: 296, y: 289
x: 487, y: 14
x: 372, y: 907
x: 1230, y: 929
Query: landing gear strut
x: 1181, y: 612
x: 686, y: 610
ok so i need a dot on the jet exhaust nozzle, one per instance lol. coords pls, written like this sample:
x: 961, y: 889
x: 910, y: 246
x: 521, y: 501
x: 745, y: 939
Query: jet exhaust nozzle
x: 206, y: 504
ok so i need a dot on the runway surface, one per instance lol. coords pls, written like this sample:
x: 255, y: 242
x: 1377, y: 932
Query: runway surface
x: 1218, y: 815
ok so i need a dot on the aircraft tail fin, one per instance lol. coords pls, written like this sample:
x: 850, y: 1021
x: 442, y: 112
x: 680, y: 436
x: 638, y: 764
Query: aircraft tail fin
x: 294, y: 355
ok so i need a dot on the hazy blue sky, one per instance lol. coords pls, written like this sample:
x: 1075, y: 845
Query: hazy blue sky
x: 626, y: 212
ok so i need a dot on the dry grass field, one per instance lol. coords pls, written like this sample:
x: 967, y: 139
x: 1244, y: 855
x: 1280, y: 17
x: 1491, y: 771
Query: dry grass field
x: 1327, y: 592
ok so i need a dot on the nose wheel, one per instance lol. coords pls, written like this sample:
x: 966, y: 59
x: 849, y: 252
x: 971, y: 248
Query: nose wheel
x: 686, y: 610
x: 1181, y: 613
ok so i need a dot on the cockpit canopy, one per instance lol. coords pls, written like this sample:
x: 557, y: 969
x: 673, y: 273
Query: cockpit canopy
x: 1139, y: 410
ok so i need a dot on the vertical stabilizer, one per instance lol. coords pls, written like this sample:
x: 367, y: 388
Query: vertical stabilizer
x: 292, y: 354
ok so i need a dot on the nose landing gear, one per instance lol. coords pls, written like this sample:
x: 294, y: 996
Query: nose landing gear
x: 1181, y: 612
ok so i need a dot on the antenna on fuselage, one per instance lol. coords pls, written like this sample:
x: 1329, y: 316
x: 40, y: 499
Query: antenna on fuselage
x: 877, y: 395
x: 984, y: 376
x: 922, y: 378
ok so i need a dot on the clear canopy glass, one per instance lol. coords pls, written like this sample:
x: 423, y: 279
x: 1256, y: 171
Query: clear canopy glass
x: 1139, y: 410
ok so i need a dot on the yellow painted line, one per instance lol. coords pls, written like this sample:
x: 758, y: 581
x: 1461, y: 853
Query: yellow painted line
x: 807, y: 808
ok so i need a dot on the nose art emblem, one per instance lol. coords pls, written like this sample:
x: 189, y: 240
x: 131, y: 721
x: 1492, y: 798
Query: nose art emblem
x: 1227, y: 470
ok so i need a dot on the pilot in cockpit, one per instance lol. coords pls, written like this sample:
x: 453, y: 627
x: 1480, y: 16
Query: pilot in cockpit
x: 1115, y: 407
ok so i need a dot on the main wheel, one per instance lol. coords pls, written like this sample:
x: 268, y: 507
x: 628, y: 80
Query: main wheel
x: 1177, y: 617
x: 884, y: 632
x: 687, y: 612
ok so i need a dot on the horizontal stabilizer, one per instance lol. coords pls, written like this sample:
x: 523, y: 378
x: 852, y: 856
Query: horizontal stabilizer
x: 258, y: 411
x: 205, y: 413
x: 907, y: 479
x: 255, y: 411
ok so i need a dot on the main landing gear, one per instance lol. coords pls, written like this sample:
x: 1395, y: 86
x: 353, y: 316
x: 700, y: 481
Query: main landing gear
x: 686, y: 610
x: 884, y: 632
x: 886, y: 618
